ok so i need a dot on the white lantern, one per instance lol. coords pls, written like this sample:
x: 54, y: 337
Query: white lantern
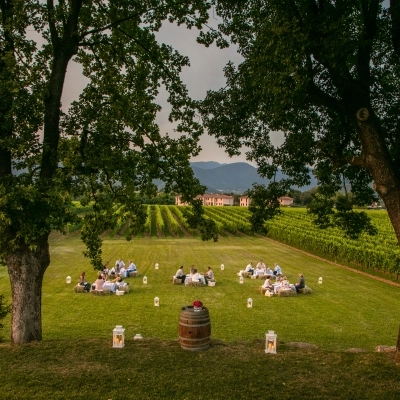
x: 68, y: 279
x: 270, y: 342
x: 222, y: 267
x: 156, y: 302
x: 267, y: 293
x: 320, y: 280
x: 249, y: 303
x: 118, y: 337
x: 241, y: 279
x: 145, y: 280
x: 156, y: 265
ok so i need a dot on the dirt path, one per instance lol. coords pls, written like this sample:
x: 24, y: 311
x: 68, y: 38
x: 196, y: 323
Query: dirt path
x: 356, y: 271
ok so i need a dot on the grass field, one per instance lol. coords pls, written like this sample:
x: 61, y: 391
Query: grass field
x: 76, y: 360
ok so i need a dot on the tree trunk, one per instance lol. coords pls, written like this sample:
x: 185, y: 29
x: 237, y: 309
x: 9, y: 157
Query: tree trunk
x: 377, y: 161
x: 26, y: 268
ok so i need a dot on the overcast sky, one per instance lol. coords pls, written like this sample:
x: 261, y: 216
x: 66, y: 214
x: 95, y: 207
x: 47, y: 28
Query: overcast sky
x: 205, y: 73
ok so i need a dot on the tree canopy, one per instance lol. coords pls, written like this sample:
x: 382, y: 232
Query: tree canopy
x: 106, y: 148
x: 325, y: 74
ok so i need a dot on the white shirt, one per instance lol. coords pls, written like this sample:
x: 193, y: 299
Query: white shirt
x: 249, y: 268
x: 179, y: 273
x: 196, y: 277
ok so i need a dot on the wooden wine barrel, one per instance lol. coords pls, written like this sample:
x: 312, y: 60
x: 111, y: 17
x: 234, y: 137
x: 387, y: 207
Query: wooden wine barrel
x: 194, y: 329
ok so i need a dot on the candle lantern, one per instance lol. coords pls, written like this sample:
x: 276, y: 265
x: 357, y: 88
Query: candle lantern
x: 118, y: 337
x: 156, y: 265
x: 320, y: 280
x: 222, y: 267
x: 145, y: 280
x: 249, y: 303
x: 156, y: 302
x: 241, y: 279
x: 270, y: 342
x: 68, y: 279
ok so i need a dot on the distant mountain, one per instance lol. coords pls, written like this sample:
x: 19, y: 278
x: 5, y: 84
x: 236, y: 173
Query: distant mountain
x: 206, y: 164
x: 234, y: 177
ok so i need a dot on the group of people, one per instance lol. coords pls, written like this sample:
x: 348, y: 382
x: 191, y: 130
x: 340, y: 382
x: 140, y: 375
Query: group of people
x: 111, y: 278
x: 283, y: 283
x: 119, y: 268
x: 194, y: 275
x: 262, y: 270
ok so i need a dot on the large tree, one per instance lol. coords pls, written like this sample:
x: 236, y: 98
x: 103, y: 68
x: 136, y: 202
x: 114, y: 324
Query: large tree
x: 325, y: 75
x: 106, y: 149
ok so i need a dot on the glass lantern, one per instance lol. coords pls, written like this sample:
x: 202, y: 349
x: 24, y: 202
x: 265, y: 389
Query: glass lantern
x: 270, y: 342
x: 118, y: 337
x: 222, y: 267
x: 145, y: 280
x: 241, y: 279
x: 249, y: 303
x: 320, y: 280
x: 156, y: 265
x: 156, y: 302
x: 68, y: 279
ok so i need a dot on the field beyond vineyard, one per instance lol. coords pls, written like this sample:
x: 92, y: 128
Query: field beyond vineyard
x: 377, y: 254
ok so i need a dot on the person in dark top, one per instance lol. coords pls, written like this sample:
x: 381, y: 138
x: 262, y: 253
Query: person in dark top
x: 301, y: 284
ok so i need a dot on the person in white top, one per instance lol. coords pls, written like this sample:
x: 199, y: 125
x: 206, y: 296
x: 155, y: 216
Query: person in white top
x: 261, y: 265
x: 179, y: 274
x: 195, y: 276
x: 118, y: 265
x: 122, y: 272
x: 269, y: 271
x: 209, y: 275
x: 267, y: 284
x: 249, y: 268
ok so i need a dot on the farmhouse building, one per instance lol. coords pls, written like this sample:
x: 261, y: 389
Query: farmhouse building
x: 209, y: 200
x: 244, y: 201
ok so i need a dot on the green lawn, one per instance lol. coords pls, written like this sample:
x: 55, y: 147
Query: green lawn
x: 347, y: 310
x: 76, y: 360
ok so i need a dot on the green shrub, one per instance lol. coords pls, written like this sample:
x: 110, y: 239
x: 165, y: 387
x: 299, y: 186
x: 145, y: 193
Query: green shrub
x: 4, y: 309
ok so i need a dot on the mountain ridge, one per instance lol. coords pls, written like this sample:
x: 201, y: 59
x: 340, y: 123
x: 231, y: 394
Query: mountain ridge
x: 234, y: 177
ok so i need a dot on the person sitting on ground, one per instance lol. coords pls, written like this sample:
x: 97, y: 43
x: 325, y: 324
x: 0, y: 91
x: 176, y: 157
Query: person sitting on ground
x: 83, y: 282
x: 131, y: 268
x: 179, y: 274
x: 99, y: 283
x: 301, y: 284
x: 249, y: 269
x: 277, y: 270
x: 209, y: 275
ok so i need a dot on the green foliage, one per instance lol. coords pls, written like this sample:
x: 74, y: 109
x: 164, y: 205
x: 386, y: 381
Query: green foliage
x: 196, y: 219
x: 318, y: 86
x: 264, y: 203
x: 4, y: 309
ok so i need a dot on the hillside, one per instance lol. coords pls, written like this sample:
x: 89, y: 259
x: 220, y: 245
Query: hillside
x: 234, y: 177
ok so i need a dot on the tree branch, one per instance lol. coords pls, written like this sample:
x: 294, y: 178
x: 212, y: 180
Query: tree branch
x: 52, y: 25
